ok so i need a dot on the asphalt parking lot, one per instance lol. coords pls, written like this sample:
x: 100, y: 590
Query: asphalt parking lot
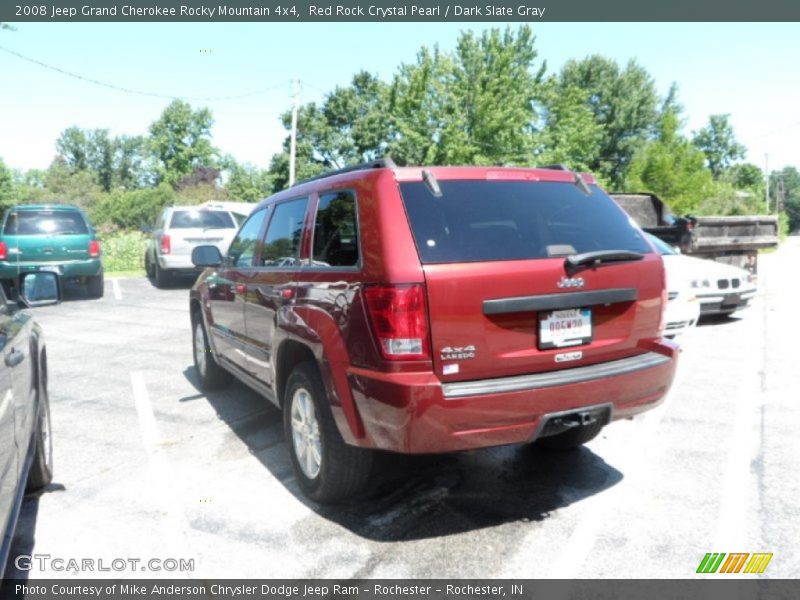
x: 147, y: 466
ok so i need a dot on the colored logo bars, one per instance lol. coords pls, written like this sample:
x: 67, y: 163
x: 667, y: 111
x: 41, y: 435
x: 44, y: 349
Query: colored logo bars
x: 734, y: 563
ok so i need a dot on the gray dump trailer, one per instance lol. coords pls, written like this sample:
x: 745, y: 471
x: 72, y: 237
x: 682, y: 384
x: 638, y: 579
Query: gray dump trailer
x: 731, y: 240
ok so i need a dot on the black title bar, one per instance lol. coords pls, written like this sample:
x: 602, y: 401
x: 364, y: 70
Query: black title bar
x: 383, y: 11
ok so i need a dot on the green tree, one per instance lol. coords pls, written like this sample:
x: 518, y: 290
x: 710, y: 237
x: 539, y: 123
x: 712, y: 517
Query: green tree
x: 6, y: 186
x: 475, y: 106
x: 114, y: 162
x: 180, y: 140
x: 568, y: 132
x: 718, y: 143
x: 73, y: 148
x: 132, y: 209
x: 672, y: 167
x: 245, y: 182
x: 784, y: 191
x: 423, y: 117
x: 625, y: 105
x: 64, y: 185
x: 744, y: 176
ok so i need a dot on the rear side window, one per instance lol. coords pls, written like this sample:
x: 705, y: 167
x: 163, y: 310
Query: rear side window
x: 201, y: 219
x: 512, y: 220
x: 45, y: 222
x: 336, y: 231
x: 282, y: 243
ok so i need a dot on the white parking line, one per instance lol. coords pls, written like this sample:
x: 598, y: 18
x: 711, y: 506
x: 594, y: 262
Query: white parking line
x: 635, y: 463
x: 117, y: 290
x: 162, y: 480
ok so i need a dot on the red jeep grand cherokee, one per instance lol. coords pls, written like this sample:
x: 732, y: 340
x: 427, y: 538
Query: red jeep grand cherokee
x: 437, y: 309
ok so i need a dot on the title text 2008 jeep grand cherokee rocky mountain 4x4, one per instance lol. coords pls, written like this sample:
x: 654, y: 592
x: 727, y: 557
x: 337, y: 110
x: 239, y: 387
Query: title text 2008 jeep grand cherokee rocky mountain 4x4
x: 422, y: 310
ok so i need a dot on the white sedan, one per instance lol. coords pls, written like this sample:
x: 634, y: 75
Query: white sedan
x: 683, y: 309
x: 720, y: 289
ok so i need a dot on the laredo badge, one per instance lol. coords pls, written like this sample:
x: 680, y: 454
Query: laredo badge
x: 457, y: 353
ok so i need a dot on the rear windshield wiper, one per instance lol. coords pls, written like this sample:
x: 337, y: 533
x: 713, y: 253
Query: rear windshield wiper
x: 599, y: 257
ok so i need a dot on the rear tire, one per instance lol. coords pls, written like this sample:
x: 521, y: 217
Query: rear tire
x: 327, y: 469
x: 210, y: 374
x: 572, y: 438
x: 41, y: 473
x: 148, y: 267
x: 95, y: 286
x: 161, y: 277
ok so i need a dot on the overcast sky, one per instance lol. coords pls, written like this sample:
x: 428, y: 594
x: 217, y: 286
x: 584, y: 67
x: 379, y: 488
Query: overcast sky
x: 747, y: 70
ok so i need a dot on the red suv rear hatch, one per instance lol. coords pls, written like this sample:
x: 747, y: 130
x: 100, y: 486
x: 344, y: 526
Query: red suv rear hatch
x: 503, y: 299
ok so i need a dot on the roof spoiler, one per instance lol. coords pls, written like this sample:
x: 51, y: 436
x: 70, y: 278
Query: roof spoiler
x: 381, y: 163
x: 578, y: 179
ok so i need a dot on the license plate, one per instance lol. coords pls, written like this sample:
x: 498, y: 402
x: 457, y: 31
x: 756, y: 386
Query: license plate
x: 560, y: 328
x: 731, y: 300
x: 56, y: 270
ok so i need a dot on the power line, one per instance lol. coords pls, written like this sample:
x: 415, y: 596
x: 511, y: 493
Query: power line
x: 126, y: 90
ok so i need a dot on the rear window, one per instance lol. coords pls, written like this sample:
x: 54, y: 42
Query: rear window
x: 513, y: 220
x: 201, y: 219
x: 45, y: 222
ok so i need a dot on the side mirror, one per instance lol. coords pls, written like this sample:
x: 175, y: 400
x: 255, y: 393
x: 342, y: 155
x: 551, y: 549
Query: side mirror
x: 40, y: 289
x: 146, y: 229
x: 206, y: 256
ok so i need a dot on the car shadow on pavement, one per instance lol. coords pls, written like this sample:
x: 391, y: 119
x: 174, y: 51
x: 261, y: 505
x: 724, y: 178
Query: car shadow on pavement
x: 425, y: 496
x: 176, y: 282
x: 25, y: 533
x: 706, y: 320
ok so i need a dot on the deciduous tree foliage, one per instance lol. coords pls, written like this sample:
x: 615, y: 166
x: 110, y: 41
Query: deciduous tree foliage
x: 672, y: 167
x: 114, y: 162
x: 246, y: 183
x: 181, y: 141
x: 719, y: 144
x: 569, y: 133
x: 625, y: 106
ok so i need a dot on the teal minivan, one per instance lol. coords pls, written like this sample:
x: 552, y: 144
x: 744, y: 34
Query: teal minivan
x: 52, y: 237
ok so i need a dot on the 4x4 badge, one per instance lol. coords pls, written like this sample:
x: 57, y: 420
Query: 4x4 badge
x: 459, y: 353
x: 567, y: 282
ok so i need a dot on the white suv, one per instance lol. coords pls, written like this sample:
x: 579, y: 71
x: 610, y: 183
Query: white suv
x: 178, y: 230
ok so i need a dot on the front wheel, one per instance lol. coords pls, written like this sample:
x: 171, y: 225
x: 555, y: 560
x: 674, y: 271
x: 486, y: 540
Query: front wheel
x: 41, y: 473
x: 210, y: 374
x: 327, y: 469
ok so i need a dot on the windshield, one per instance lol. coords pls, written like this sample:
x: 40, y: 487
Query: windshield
x: 45, y: 222
x: 477, y: 220
x: 201, y: 219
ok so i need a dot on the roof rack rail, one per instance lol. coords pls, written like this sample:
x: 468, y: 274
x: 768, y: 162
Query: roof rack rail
x: 381, y: 163
x: 555, y: 167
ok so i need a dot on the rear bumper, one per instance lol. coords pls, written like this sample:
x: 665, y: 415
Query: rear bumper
x: 177, y: 262
x: 415, y: 413
x: 73, y: 268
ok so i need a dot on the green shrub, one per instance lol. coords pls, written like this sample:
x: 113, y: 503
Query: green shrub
x: 123, y: 251
x: 130, y: 209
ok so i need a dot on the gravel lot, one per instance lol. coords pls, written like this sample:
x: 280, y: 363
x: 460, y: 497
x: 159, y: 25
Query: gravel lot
x: 147, y: 466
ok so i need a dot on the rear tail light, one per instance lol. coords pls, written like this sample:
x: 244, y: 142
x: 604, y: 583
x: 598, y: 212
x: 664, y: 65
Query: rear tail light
x: 166, y: 248
x: 3, y: 251
x: 399, y: 320
x: 94, y: 249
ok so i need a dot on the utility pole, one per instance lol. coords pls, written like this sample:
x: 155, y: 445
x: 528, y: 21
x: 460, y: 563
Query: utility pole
x: 293, y: 138
x: 766, y: 171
